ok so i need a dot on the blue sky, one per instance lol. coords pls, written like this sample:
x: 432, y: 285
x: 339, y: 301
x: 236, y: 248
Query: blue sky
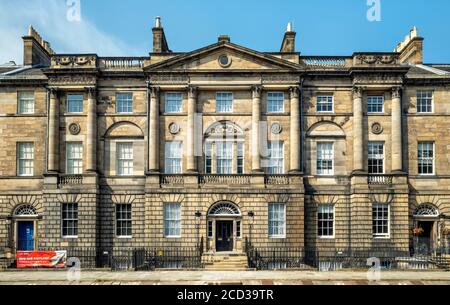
x: 324, y: 27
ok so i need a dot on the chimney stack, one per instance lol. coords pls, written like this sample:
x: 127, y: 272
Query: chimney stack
x: 288, y: 45
x: 159, y: 38
x: 411, y: 48
x: 36, y: 51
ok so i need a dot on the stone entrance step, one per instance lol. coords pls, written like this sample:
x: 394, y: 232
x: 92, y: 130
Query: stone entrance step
x: 225, y: 262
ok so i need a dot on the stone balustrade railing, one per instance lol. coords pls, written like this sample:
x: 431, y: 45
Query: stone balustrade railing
x: 325, y: 61
x: 172, y: 180
x: 276, y: 180
x: 69, y: 180
x: 225, y: 179
x: 122, y: 63
x: 379, y: 179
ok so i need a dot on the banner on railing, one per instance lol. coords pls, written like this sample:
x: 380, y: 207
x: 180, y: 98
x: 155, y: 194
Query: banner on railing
x: 41, y: 259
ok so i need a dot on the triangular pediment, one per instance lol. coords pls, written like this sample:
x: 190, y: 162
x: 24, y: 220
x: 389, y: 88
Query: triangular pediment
x: 209, y: 59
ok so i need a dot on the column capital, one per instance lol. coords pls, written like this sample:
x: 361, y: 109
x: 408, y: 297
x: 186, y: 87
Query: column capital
x: 154, y: 90
x: 256, y: 91
x: 92, y: 91
x: 396, y: 92
x: 358, y: 91
x: 192, y: 91
x: 53, y: 92
x: 294, y: 91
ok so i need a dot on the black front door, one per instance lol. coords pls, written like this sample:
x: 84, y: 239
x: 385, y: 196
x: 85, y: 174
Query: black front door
x: 425, y: 238
x: 224, y: 235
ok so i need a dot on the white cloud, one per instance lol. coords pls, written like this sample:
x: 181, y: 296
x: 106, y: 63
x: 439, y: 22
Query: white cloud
x: 49, y: 18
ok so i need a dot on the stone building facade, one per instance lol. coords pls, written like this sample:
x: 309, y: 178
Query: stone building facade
x: 224, y: 145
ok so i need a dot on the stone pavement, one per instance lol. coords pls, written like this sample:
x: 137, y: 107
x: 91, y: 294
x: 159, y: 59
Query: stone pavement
x: 52, y: 277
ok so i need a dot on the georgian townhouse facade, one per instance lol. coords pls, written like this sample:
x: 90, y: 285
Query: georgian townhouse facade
x: 224, y: 145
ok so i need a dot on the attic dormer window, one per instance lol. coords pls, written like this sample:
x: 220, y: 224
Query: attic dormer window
x: 224, y: 61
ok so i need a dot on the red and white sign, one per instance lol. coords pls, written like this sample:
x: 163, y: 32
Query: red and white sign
x: 41, y: 259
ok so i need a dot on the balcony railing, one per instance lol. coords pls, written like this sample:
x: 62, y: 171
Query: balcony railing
x: 122, y: 63
x: 379, y: 179
x: 276, y: 180
x: 69, y: 180
x: 225, y: 179
x: 324, y: 61
x: 172, y: 179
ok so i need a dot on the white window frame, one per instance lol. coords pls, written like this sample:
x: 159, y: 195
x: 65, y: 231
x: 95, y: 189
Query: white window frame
x: 121, y: 110
x: 331, y: 173
x: 333, y: 207
x: 21, y: 159
x: 68, y: 102
x: 21, y: 99
x: 269, y: 160
x: 382, y: 235
x: 376, y: 97
x: 327, y: 97
x: 168, y: 108
x: 63, y: 219
x: 227, y: 157
x: 384, y: 156
x: 169, y: 155
x: 217, y: 102
x: 274, y: 93
x: 419, y: 92
x: 208, y: 156
x: 70, y: 171
x: 240, y: 143
x: 119, y: 159
x: 433, y: 159
x: 276, y: 236
x: 122, y: 220
x: 178, y: 220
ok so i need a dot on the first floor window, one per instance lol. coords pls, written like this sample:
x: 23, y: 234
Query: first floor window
x: 75, y: 103
x: 240, y: 158
x: 376, y: 158
x: 325, y: 104
x: 74, y: 159
x: 25, y: 159
x: 172, y: 220
x: 124, y: 103
x: 224, y: 102
x: 325, y: 220
x: 208, y: 157
x: 325, y: 156
x: 375, y: 104
x: 125, y: 158
x: 174, y: 152
x: 425, y: 102
x: 426, y: 158
x: 275, y: 102
x: 26, y: 102
x: 224, y: 157
x: 123, y: 220
x: 69, y: 220
x: 275, y: 160
x: 174, y: 102
x: 277, y: 220
x: 380, y: 220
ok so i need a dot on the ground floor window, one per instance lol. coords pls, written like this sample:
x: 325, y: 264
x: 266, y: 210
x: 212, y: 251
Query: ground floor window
x: 380, y: 220
x: 69, y: 220
x: 325, y: 220
x: 172, y: 220
x: 277, y: 220
x: 123, y: 220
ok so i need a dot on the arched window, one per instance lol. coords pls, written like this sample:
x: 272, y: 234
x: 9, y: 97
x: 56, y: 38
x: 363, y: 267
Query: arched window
x: 25, y: 210
x: 426, y: 210
x: 224, y: 209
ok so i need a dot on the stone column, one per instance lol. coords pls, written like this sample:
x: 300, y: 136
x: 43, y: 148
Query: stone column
x: 358, y: 136
x: 396, y: 130
x: 295, y: 130
x: 53, y: 132
x: 190, y: 149
x: 153, y: 143
x: 256, y: 119
x: 91, y: 142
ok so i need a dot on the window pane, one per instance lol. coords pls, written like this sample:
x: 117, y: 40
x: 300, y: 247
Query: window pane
x: 275, y: 102
x: 74, y: 158
x: 240, y: 158
x: 380, y: 220
x: 277, y: 220
x: 325, y: 156
x: 224, y: 157
x: 425, y: 158
x: 174, y: 102
x: 375, y: 104
x: 75, y: 103
x: 125, y: 159
x: 173, y: 161
x: 26, y: 102
x: 208, y: 158
x: 224, y: 102
x: 25, y: 159
x: 69, y: 219
x: 324, y: 104
x: 325, y: 220
x: 424, y: 102
x: 274, y: 163
x: 124, y: 220
x: 124, y: 103
x: 376, y: 158
x: 172, y: 220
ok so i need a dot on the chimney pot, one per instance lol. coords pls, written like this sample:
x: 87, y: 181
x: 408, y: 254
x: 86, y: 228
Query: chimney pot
x: 224, y: 38
x: 289, y: 27
x: 158, y: 22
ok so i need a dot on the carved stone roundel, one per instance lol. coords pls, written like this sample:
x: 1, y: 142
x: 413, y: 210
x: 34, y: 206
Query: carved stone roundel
x: 276, y: 128
x: 174, y: 128
x: 74, y: 128
x: 377, y: 128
